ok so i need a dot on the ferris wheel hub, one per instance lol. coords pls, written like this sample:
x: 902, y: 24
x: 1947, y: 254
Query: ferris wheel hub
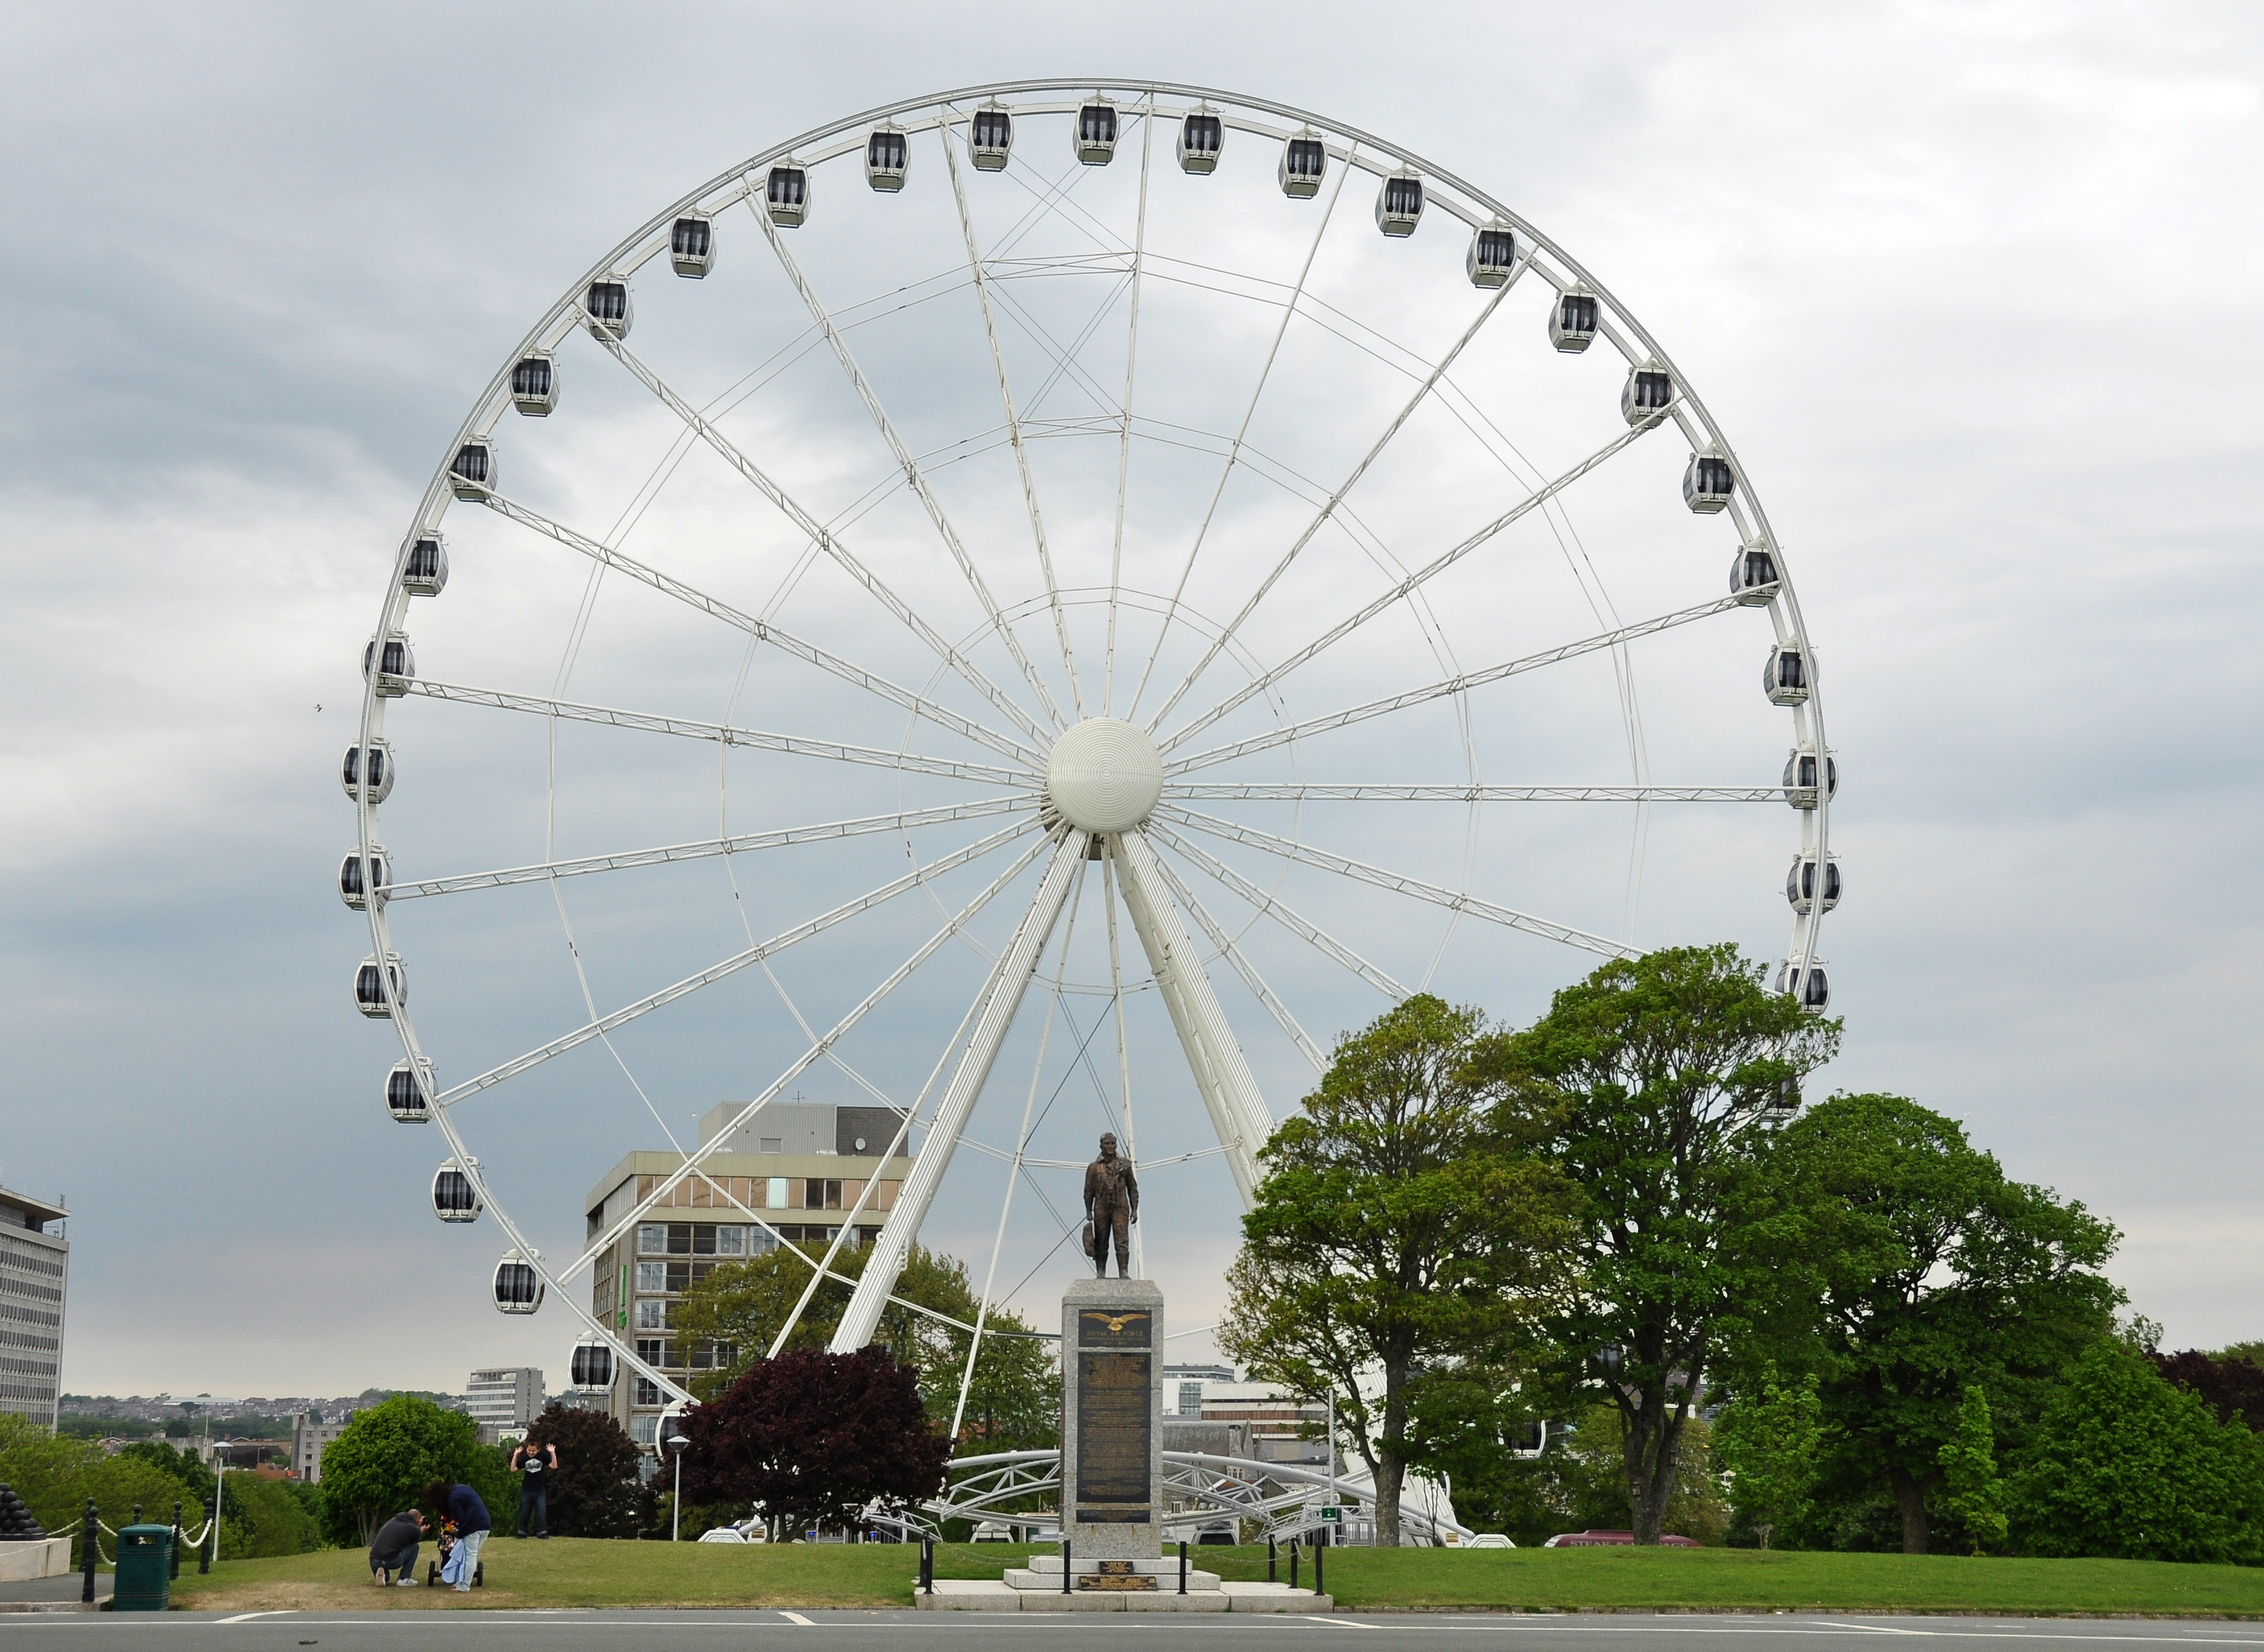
x: 1104, y: 775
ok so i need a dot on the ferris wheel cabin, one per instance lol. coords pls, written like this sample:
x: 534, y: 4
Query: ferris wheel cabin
x: 1752, y: 576
x: 607, y: 306
x: 380, y: 786
x: 455, y: 1197
x: 1095, y: 133
x: 887, y: 160
x: 408, y: 1100
x: 1399, y: 204
x: 376, y: 991
x: 1650, y: 389
x: 1572, y: 320
x: 1800, y: 777
x: 472, y: 472
x: 394, y: 663
x: 785, y: 195
x: 1492, y: 256
x: 518, y: 1285
x: 1784, y: 676
x: 1806, y: 982
x: 691, y: 246
x: 1708, y: 483
x: 1305, y: 162
x: 1202, y: 140
x: 354, y: 886
x: 1800, y: 883
x: 592, y: 1367
x: 990, y: 138
x: 425, y: 573
x: 534, y: 384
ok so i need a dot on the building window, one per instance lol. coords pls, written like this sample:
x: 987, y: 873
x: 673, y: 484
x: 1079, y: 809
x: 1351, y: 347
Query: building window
x: 652, y: 1275
x: 652, y: 1239
x: 651, y: 1314
x: 774, y: 1190
x: 644, y: 1430
x: 730, y: 1242
x: 1191, y: 1399
x: 648, y: 1391
x: 760, y: 1244
x: 773, y: 1144
x: 820, y: 1195
x: 649, y: 1349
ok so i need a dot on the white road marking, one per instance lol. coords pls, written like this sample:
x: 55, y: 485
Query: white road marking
x: 795, y: 1616
x: 246, y: 1616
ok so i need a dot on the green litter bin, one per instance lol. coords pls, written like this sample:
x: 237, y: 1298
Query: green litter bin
x: 145, y: 1565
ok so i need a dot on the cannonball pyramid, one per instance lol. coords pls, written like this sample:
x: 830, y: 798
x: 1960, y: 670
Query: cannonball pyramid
x: 17, y: 1524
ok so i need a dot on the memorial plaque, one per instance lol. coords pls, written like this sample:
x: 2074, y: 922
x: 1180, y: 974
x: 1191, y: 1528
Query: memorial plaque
x: 1112, y: 1430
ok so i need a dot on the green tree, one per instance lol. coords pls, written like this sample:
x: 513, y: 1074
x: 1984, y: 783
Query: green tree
x: 1013, y: 1404
x: 2122, y: 1463
x: 1585, y: 1480
x: 1940, y: 1274
x: 379, y: 1464
x: 55, y: 1477
x: 1969, y: 1469
x: 1402, y: 1231
x: 262, y: 1517
x: 1767, y: 1441
x: 1654, y: 1068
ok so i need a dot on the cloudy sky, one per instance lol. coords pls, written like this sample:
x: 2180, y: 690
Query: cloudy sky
x: 1971, y: 288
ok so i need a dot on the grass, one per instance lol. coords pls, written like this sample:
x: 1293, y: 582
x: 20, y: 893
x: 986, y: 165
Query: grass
x: 574, y: 1572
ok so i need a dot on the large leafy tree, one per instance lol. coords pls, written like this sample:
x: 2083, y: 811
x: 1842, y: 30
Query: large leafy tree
x: 816, y: 1439
x: 2121, y: 1463
x: 56, y: 1476
x: 1401, y: 1238
x: 596, y: 1490
x: 1940, y: 1274
x: 1014, y: 1401
x: 1654, y: 1069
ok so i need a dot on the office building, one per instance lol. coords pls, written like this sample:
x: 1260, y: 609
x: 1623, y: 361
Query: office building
x: 1184, y: 1384
x: 35, y: 1265
x: 503, y: 1399
x: 793, y: 1175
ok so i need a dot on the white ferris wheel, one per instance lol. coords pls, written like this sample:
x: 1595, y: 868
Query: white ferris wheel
x: 1039, y: 605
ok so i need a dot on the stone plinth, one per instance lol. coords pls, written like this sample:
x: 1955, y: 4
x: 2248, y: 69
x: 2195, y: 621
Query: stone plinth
x: 1112, y: 1486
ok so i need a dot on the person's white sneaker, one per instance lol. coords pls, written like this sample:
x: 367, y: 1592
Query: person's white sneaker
x: 406, y: 1582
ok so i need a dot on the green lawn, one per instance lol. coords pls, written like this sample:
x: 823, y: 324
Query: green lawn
x: 572, y: 1572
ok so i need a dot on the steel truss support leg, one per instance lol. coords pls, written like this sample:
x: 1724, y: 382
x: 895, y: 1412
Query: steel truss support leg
x: 1002, y: 992
x: 1221, y: 1074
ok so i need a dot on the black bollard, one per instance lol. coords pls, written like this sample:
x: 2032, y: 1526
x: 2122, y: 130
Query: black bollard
x: 137, y: 1514
x: 1183, y: 1568
x: 1320, y: 1554
x: 1270, y: 1558
x: 174, y: 1562
x: 1293, y: 1562
x: 89, y: 1548
x: 1065, y: 1583
x: 927, y: 1565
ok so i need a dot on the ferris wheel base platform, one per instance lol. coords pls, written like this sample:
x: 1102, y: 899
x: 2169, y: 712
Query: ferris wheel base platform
x: 955, y: 1594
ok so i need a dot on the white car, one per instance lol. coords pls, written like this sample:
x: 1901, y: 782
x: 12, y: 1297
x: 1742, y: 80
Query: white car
x: 1487, y: 1541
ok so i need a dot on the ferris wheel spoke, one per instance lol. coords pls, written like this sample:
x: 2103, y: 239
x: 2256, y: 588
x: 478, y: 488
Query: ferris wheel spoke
x: 1281, y: 910
x: 824, y: 538
x: 824, y: 659
x: 1414, y: 581
x: 743, y: 843
x: 817, y: 1051
x: 1242, y: 966
x: 1001, y: 997
x: 1345, y: 866
x: 1234, y: 449
x: 1220, y: 1071
x: 1013, y: 421
x: 1124, y: 438
x: 692, y: 728
x: 1319, y: 791
x: 1322, y: 517
x: 756, y: 954
x: 1461, y: 682
x: 916, y: 479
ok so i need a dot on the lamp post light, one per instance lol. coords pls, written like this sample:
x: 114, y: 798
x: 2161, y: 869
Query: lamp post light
x: 676, y: 1444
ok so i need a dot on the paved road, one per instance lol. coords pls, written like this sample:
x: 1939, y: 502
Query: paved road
x: 409, y: 1631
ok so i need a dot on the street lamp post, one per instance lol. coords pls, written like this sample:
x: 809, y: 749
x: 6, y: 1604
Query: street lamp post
x: 676, y: 1444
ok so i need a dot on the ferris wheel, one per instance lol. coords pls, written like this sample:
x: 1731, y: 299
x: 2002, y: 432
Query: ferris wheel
x: 1038, y: 606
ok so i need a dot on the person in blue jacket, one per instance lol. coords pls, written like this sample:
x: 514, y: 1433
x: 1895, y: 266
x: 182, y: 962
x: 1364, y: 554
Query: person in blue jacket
x: 462, y: 1507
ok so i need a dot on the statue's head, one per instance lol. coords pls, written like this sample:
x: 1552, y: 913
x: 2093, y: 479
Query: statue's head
x: 1108, y: 1143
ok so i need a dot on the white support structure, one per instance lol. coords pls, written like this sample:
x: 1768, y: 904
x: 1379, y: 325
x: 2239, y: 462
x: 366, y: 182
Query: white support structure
x: 1003, y: 995
x: 1221, y: 1074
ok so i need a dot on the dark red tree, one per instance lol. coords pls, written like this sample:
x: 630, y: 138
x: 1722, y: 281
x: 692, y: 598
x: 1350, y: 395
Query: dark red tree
x: 2227, y: 1382
x: 814, y: 1438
